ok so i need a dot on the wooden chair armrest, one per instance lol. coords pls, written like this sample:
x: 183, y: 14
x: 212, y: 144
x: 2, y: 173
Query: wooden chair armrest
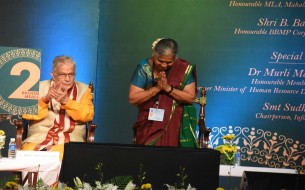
x: 90, y: 132
x: 19, y: 133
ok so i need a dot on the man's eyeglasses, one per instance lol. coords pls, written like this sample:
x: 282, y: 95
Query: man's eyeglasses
x: 64, y: 75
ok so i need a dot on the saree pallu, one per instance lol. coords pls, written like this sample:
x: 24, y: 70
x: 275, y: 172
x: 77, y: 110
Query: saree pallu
x: 165, y: 133
x: 187, y: 137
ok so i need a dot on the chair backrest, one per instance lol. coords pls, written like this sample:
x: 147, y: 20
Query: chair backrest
x: 90, y: 127
x: 23, y: 125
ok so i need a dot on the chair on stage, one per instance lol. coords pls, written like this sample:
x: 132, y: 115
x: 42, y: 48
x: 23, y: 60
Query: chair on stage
x: 21, y: 134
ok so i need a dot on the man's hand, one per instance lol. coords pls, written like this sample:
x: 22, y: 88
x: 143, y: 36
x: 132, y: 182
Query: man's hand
x: 51, y: 93
x: 61, y: 95
x: 58, y: 93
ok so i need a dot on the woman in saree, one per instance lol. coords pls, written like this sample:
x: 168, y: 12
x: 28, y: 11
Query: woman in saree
x: 163, y: 87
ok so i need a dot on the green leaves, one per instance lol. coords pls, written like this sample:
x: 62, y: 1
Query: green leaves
x: 120, y: 181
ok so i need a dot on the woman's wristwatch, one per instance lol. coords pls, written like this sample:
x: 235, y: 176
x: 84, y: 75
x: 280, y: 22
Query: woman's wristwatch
x: 171, y: 90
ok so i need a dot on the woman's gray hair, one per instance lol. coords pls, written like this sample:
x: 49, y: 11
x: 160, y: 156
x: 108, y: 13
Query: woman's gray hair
x: 164, y: 45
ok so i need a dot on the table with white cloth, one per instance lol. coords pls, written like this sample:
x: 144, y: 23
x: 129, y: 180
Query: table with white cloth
x: 35, y: 168
x: 237, y: 171
x: 239, y: 177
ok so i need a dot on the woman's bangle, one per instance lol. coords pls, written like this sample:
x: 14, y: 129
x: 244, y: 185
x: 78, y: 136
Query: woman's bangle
x: 171, y: 90
x: 150, y: 92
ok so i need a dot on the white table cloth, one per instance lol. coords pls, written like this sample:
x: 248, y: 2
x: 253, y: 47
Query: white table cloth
x: 47, y: 170
x: 237, y: 171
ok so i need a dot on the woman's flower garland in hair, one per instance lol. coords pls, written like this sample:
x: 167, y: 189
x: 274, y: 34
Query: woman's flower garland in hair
x: 155, y: 43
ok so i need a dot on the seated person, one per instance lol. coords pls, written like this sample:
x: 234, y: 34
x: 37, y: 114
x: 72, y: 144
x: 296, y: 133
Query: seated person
x: 63, y: 108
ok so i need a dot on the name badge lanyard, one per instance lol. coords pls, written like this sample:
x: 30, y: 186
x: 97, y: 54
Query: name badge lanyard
x: 156, y: 98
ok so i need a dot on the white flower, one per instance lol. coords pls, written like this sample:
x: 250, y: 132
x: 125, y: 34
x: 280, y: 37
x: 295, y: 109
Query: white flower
x: 61, y: 185
x: 109, y: 187
x: 81, y: 185
x: 98, y: 185
x: 2, y: 138
x: 189, y: 187
x: 87, y: 186
x: 130, y: 186
x: 78, y: 183
x: 2, y: 141
x: 169, y: 187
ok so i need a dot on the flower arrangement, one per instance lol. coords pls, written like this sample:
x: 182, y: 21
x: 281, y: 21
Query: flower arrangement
x: 116, y: 183
x: 10, y: 185
x: 2, y: 141
x: 80, y: 185
x: 227, y: 150
x: 9, y: 182
x: 182, y: 176
x: 112, y: 184
x: 119, y: 182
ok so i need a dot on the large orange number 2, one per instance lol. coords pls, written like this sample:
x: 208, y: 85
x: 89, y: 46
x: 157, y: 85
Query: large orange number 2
x: 31, y: 80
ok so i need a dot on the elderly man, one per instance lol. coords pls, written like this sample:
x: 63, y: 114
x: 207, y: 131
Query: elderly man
x: 63, y: 108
